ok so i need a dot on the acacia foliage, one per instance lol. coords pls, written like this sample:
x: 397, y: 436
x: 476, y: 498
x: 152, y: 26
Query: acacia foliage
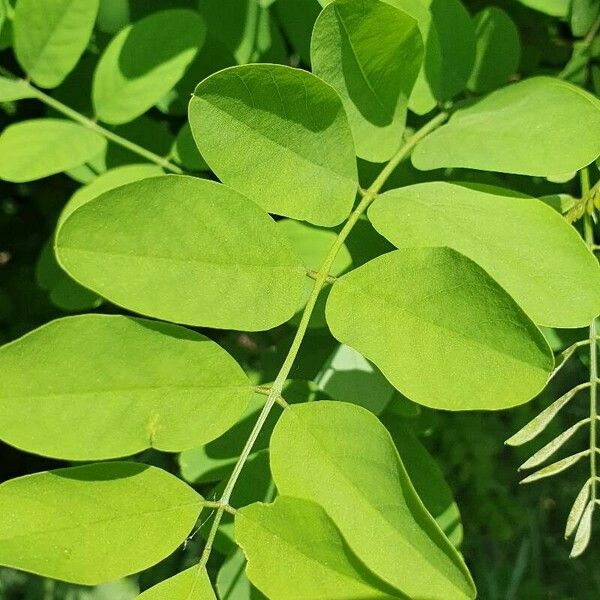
x: 251, y: 208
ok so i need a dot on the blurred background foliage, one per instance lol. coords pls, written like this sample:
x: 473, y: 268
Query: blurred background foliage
x: 513, y: 535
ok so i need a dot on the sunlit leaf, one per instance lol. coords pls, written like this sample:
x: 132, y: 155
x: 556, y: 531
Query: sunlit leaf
x: 523, y: 128
x: 584, y: 531
x: 368, y: 496
x: 441, y: 330
x: 289, y: 147
x: 96, y: 523
x: 101, y: 387
x: 551, y: 447
x: 50, y: 36
x: 558, y: 467
x: 38, y: 148
x: 299, y: 534
x: 170, y: 267
x: 533, y: 253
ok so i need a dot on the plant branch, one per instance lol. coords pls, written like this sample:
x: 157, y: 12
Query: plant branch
x: 321, y: 278
x: 36, y: 93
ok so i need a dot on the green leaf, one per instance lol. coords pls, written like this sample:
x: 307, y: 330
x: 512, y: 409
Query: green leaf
x: 557, y: 467
x: 528, y: 248
x: 427, y: 478
x: 554, y: 8
x: 14, y: 89
x: 185, y: 152
x: 101, y: 387
x: 295, y: 551
x: 297, y: 19
x: 246, y: 29
x: 577, y: 509
x: 371, y: 53
x: 346, y: 375
x: 232, y: 582
x: 441, y: 330
x: 340, y: 456
x: 106, y: 181
x: 96, y: 523
x: 150, y: 246
x: 191, y: 584
x: 583, y: 15
x: 144, y: 61
x: 498, y: 49
x: 525, y: 128
x: 50, y: 37
x: 281, y: 137
x: 584, y: 531
x: 63, y: 292
x: 534, y: 427
x: 448, y: 32
x: 38, y: 148
x: 552, y: 447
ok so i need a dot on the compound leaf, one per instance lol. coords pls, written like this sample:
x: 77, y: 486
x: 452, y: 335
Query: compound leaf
x: 297, y: 532
x: 38, y: 148
x: 144, y: 61
x: 527, y: 247
x: 95, y: 523
x: 340, y: 456
x: 281, y: 137
x: 371, y: 53
x: 442, y: 331
x: 50, y: 37
x: 523, y: 128
x: 101, y: 387
x: 186, y: 250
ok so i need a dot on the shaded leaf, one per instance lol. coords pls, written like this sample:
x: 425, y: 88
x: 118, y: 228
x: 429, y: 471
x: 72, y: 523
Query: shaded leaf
x: 298, y: 532
x: 144, y: 61
x: 371, y: 53
x: 368, y: 496
x: 95, y: 523
x: 427, y: 478
x: 498, y: 50
x: 170, y: 267
x: 14, y: 89
x: 289, y: 146
x: 232, y: 582
x: 441, y: 330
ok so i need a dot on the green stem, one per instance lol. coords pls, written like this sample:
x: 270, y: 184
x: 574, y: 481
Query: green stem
x: 90, y: 124
x: 589, y: 238
x: 321, y: 278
